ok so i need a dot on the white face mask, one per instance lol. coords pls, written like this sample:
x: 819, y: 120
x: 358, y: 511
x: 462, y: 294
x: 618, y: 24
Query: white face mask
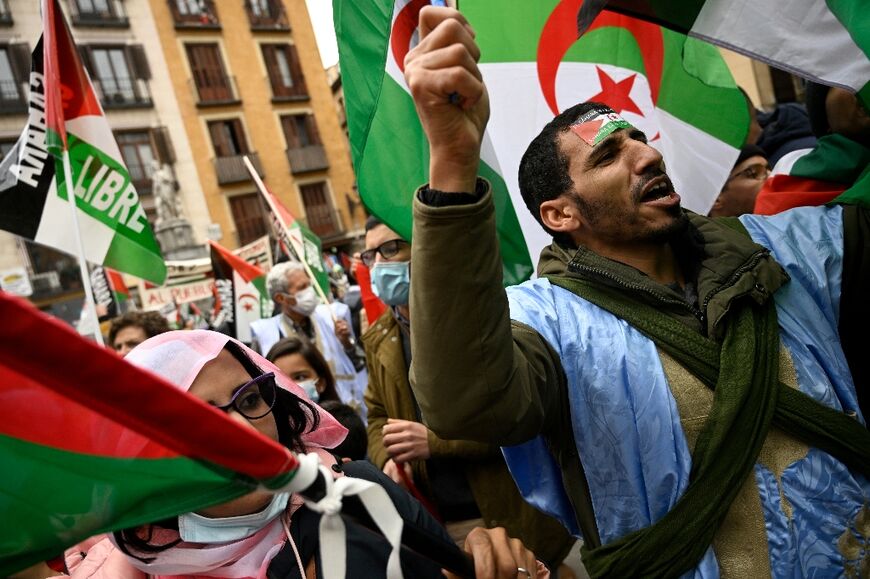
x: 310, y: 387
x: 306, y: 302
x: 195, y: 528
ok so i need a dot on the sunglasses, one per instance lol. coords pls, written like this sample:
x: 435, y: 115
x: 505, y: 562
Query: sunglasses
x: 387, y: 250
x: 255, y: 399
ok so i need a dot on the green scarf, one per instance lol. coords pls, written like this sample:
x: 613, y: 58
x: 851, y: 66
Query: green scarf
x: 748, y: 398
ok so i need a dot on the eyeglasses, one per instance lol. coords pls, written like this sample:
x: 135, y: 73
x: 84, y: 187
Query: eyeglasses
x: 387, y: 250
x: 757, y: 172
x: 255, y: 399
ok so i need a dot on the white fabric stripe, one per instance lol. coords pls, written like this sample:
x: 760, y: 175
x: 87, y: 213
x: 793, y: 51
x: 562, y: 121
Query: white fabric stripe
x: 56, y: 229
x: 333, y: 539
x: 697, y: 163
x: 803, y: 34
x: 97, y: 132
x: 787, y: 161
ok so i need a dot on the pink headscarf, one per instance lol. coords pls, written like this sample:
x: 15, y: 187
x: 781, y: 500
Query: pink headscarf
x: 178, y: 357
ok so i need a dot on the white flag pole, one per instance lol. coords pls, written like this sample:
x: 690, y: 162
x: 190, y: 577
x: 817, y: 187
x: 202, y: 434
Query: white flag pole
x: 83, y: 264
x: 262, y: 188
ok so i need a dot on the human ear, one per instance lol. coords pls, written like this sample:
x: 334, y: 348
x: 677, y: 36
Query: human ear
x: 561, y: 215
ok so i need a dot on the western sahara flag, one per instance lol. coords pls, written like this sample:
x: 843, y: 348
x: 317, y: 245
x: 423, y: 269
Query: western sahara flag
x: 297, y: 240
x: 67, y: 440
x: 240, y: 293
x: 826, y: 41
x: 64, y: 113
x: 109, y: 291
x: 677, y: 90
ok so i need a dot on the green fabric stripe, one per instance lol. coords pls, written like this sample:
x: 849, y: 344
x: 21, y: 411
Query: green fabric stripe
x: 57, y: 498
x: 128, y: 256
x: 834, y: 158
x: 363, y: 30
x: 852, y: 14
x: 390, y: 198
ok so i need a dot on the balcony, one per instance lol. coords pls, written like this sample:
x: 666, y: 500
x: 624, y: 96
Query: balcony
x: 5, y: 14
x: 114, y: 16
x: 194, y: 14
x: 324, y: 221
x: 123, y: 93
x: 11, y: 98
x: 212, y: 89
x: 232, y: 169
x: 305, y: 159
x: 266, y: 15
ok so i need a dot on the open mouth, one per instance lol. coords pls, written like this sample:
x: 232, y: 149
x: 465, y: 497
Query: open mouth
x: 657, y: 191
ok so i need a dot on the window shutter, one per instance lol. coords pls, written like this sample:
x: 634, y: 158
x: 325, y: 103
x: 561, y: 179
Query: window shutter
x: 289, y: 124
x: 164, y: 145
x: 87, y: 62
x: 313, y: 133
x: 136, y: 55
x: 239, y: 136
x: 296, y: 70
x: 19, y: 56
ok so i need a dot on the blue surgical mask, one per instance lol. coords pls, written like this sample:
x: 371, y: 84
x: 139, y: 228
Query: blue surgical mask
x: 391, y: 282
x: 195, y: 528
x: 310, y: 387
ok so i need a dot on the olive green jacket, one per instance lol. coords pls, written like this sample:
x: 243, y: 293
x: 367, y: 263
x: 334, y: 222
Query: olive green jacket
x: 389, y: 396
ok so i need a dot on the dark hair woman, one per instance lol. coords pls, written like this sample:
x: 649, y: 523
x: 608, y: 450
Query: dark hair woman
x: 303, y: 363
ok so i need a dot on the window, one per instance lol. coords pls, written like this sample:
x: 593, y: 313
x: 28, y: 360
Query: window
x: 249, y: 218
x: 194, y: 13
x: 300, y: 131
x: 138, y: 155
x: 267, y: 15
x: 228, y: 138
x: 14, y: 72
x: 321, y: 216
x: 285, y: 74
x: 98, y: 13
x: 213, y: 86
x: 304, y: 148
x: 120, y: 74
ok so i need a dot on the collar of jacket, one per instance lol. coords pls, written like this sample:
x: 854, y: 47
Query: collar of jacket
x: 726, y: 264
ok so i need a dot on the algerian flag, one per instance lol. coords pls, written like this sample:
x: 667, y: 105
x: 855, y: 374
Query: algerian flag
x: 824, y: 41
x: 677, y: 90
x: 90, y: 443
x: 240, y: 293
x: 65, y: 113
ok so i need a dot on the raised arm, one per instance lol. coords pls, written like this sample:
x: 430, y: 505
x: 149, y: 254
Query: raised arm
x: 473, y: 376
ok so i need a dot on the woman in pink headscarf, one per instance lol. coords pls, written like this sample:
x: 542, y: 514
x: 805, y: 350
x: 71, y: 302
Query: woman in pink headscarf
x: 260, y: 534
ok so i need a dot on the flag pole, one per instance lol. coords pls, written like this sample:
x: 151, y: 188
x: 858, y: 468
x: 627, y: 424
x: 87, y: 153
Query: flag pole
x: 83, y: 264
x: 262, y: 188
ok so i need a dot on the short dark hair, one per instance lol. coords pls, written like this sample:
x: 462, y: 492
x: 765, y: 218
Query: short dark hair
x: 372, y: 222
x: 296, y: 345
x: 152, y: 323
x: 356, y: 444
x: 543, y: 173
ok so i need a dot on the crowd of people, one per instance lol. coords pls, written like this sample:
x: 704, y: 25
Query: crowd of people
x: 686, y: 393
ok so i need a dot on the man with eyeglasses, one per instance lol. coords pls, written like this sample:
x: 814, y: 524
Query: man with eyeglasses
x: 672, y: 387
x: 327, y: 326
x: 467, y: 482
x: 743, y: 184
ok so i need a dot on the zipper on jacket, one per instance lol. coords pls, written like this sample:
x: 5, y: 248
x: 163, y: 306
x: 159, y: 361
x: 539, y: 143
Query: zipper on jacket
x: 695, y: 311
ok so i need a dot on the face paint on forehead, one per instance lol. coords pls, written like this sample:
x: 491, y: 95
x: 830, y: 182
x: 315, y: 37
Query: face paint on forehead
x: 594, y: 126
